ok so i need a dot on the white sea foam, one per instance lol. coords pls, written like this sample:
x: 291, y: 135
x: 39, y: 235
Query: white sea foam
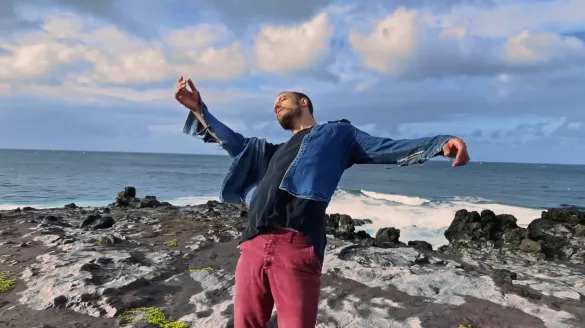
x: 417, y: 218
x: 396, y: 198
x: 195, y: 200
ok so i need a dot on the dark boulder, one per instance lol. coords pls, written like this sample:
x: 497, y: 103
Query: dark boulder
x: 363, y: 238
x: 420, y: 245
x: 90, y: 220
x: 361, y: 222
x: 96, y: 222
x: 149, y: 202
x: 485, y: 230
x: 389, y: 238
x: 126, y: 197
x: 560, y: 233
x: 503, y: 276
x: 341, y: 226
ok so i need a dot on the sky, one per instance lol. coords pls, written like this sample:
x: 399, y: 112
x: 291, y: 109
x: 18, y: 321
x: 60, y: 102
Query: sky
x: 506, y: 76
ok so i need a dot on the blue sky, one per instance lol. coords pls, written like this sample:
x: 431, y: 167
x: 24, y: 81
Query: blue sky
x: 507, y: 76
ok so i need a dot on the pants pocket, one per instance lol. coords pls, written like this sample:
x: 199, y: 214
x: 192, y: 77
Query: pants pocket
x: 314, y: 260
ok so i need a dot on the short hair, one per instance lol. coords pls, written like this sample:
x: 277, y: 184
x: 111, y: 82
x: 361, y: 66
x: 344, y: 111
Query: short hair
x: 300, y: 96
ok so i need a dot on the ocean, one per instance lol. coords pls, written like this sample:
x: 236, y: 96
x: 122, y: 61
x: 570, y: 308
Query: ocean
x: 421, y: 200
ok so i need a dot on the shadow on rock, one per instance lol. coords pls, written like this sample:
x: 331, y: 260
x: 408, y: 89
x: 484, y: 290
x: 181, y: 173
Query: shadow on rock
x: 344, y: 293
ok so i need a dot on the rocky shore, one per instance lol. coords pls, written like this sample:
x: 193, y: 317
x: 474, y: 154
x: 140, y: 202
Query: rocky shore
x: 140, y: 262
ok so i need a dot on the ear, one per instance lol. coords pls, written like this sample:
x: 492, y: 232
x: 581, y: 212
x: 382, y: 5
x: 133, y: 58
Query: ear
x: 304, y: 102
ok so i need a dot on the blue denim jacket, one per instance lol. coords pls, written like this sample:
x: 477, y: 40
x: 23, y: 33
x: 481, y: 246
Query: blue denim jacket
x: 325, y: 153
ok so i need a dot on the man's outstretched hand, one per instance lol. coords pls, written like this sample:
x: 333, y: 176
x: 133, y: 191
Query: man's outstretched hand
x: 186, y: 97
x: 456, y: 148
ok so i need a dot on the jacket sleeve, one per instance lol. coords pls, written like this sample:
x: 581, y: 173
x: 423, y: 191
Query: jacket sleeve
x: 369, y: 149
x: 233, y: 143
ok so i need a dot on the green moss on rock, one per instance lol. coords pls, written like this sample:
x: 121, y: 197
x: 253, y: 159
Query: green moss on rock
x: 171, y: 243
x: 154, y: 316
x: 7, y: 281
x: 203, y: 269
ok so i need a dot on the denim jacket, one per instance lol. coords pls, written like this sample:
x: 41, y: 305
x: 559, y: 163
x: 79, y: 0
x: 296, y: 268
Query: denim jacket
x: 325, y: 153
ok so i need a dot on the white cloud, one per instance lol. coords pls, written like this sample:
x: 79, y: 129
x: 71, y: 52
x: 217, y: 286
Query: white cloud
x: 108, y: 55
x: 412, y: 44
x: 392, y: 44
x: 197, y: 37
x: 508, y: 19
x: 527, y: 48
x: 280, y: 49
x: 34, y: 60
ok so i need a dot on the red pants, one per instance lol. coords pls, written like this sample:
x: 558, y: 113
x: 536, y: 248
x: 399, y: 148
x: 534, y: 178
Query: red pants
x: 279, y: 267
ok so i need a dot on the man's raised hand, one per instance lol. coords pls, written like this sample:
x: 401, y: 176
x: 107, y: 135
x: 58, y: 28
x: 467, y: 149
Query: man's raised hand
x: 456, y: 148
x: 186, y: 97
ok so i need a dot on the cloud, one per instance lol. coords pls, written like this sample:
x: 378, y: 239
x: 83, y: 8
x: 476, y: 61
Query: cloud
x: 288, y: 49
x: 513, y: 130
x: 527, y: 48
x: 242, y: 14
x: 507, y: 76
x: 18, y: 15
x: 104, y: 54
x: 514, y: 17
x: 411, y: 44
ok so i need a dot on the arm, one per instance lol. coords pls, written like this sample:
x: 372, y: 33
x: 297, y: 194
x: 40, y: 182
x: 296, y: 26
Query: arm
x: 368, y: 149
x: 211, y: 130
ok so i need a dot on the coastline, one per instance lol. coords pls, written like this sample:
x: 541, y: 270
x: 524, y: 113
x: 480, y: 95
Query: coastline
x: 84, y: 267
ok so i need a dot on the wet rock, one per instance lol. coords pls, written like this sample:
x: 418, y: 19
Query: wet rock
x: 559, y: 232
x: 363, y: 238
x: 126, y: 197
x: 51, y: 220
x: 104, y: 223
x: 340, y: 226
x: 361, y: 222
x: 420, y: 245
x: 90, y: 220
x: 149, y: 202
x: 470, y: 229
x: 70, y: 206
x: 388, y: 238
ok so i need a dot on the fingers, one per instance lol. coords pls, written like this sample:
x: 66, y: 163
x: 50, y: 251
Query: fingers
x: 462, y: 158
x: 192, y: 86
x: 458, y: 149
x: 181, y: 88
x: 446, y: 150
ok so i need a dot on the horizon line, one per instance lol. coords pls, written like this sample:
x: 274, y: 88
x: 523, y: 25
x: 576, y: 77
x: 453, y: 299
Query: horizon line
x: 225, y: 155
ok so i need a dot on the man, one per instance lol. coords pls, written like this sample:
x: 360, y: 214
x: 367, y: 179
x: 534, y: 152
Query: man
x: 283, y: 245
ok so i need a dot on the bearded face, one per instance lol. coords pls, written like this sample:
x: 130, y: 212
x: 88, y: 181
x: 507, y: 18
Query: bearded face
x: 287, y: 108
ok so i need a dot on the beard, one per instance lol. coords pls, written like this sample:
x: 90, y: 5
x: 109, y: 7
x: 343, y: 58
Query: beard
x: 287, y: 118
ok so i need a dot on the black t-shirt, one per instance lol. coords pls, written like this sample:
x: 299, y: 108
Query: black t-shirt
x: 271, y: 204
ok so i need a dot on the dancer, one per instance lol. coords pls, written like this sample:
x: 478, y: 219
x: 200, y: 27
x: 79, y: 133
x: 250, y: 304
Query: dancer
x: 282, y: 248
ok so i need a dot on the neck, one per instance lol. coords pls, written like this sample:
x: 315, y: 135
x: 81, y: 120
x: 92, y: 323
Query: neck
x: 303, y: 123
